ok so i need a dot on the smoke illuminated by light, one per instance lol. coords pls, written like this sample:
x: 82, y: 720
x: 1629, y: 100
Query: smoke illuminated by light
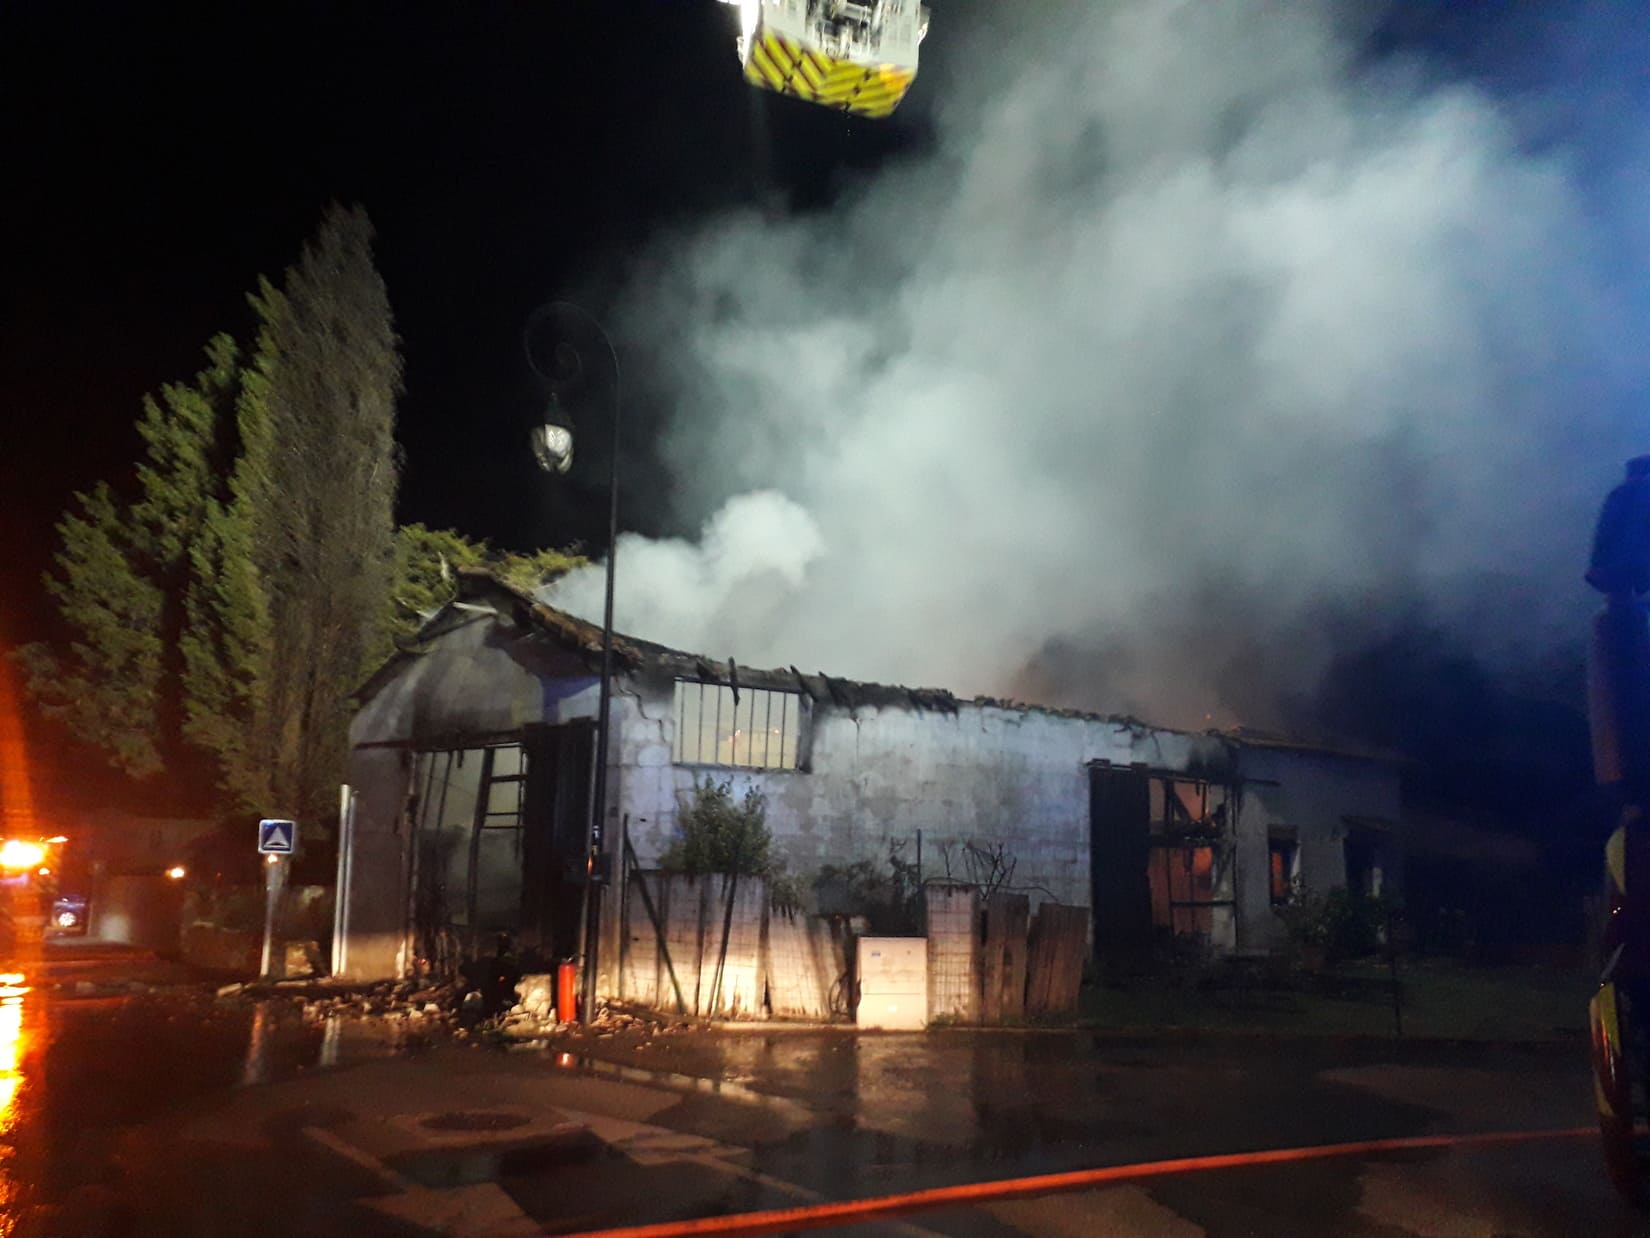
x: 1194, y: 322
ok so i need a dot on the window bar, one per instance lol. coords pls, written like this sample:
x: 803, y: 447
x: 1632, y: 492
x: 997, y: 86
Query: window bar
x: 784, y: 706
x: 681, y: 717
x: 478, y: 822
x: 700, y: 750
x: 719, y: 692
x: 446, y: 783
x: 420, y: 825
x: 767, y: 733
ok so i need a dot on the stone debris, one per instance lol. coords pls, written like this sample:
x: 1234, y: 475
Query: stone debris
x: 538, y: 995
x: 388, y: 1000
x: 463, y: 1009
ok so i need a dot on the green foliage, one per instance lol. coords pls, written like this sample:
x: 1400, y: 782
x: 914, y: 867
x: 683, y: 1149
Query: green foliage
x: 1342, y: 924
x: 535, y: 569
x: 889, y: 897
x: 256, y: 576
x: 719, y: 835
x: 426, y: 562
x: 786, y: 891
x: 118, y: 579
x: 292, y: 572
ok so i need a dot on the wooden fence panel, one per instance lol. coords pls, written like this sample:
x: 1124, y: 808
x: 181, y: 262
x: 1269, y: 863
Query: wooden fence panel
x: 1059, y: 944
x: 1003, y: 959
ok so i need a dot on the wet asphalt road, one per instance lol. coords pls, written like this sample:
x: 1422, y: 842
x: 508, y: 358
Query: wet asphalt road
x: 156, y: 1110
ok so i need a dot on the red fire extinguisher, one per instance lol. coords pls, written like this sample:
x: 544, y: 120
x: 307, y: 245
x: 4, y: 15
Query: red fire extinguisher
x: 567, y: 987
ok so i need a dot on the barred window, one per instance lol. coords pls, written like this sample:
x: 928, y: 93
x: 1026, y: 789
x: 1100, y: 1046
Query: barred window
x: 761, y: 729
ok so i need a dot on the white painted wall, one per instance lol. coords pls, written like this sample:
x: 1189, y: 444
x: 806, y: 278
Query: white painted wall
x: 985, y: 774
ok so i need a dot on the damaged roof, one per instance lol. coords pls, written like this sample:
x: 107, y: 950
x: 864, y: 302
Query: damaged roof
x: 1249, y: 737
x: 479, y: 585
x: 641, y: 656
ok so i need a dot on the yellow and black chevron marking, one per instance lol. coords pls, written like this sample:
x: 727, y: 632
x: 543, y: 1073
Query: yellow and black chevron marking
x: 788, y: 67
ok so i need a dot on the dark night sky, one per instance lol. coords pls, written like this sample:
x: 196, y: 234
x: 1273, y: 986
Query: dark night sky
x: 159, y: 161
x: 159, y: 158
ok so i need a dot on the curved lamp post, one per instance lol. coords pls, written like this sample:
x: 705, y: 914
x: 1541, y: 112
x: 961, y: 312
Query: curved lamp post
x: 561, y: 339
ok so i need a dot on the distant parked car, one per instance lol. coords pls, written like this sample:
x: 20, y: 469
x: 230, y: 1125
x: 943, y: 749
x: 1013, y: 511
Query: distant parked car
x: 69, y: 914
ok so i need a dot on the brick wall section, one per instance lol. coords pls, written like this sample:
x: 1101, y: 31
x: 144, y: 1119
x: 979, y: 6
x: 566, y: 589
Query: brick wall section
x: 953, y: 954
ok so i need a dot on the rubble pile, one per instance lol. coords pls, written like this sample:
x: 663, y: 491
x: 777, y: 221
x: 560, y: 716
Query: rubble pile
x: 534, y: 1016
x: 610, y: 1020
x: 462, y: 1008
x: 390, y: 1000
x: 403, y: 1000
x: 535, y: 1013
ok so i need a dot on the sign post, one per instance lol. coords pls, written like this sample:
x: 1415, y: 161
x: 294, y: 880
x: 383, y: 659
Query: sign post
x: 276, y: 841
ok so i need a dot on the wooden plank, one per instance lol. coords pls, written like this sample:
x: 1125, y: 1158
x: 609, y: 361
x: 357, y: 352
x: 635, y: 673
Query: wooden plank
x: 1057, y: 948
x: 991, y: 967
x: 1003, y: 959
x: 1012, y: 915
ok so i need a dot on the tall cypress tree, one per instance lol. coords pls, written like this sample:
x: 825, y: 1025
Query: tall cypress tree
x: 118, y: 579
x: 257, y: 576
x: 293, y: 574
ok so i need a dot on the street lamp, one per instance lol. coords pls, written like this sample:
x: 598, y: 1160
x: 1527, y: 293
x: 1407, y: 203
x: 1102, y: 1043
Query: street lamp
x: 559, y: 338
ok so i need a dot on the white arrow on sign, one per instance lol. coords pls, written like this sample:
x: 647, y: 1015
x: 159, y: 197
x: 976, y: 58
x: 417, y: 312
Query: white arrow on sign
x: 276, y: 837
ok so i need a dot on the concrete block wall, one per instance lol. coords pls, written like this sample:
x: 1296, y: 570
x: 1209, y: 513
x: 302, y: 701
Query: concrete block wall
x: 984, y: 774
x: 953, y: 954
x: 807, y: 968
x: 694, y: 911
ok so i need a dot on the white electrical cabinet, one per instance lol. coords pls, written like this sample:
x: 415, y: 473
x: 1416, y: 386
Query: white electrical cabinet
x: 893, y: 983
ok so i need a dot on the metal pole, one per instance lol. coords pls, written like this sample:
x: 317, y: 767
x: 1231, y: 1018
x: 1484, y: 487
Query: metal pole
x: 274, y: 882
x: 598, y: 810
x: 553, y: 333
x: 340, y: 894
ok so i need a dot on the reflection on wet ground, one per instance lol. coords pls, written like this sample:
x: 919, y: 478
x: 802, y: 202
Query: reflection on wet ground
x: 19, y: 1064
x: 82, y: 1058
x: 711, y: 1121
x: 280, y: 1043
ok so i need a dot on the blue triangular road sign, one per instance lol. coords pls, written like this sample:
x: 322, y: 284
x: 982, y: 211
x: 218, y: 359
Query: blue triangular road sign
x: 276, y: 837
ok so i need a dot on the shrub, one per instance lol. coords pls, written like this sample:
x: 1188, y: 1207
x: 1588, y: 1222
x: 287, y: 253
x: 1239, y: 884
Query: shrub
x: 717, y: 835
x: 1342, y: 924
x: 892, y: 900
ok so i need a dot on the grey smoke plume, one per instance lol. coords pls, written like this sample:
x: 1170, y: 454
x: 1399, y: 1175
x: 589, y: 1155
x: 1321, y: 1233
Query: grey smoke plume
x: 1191, y: 331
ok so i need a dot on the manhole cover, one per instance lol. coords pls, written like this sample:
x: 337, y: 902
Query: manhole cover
x: 470, y: 1120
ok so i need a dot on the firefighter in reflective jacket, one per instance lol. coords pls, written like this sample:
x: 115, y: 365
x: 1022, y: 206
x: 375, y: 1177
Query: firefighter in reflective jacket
x: 1619, y: 718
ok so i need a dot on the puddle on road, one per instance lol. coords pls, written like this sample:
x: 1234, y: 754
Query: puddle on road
x: 280, y: 1042
x: 726, y: 1089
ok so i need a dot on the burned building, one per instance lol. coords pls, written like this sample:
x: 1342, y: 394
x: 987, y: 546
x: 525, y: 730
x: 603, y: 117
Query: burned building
x: 473, y: 755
